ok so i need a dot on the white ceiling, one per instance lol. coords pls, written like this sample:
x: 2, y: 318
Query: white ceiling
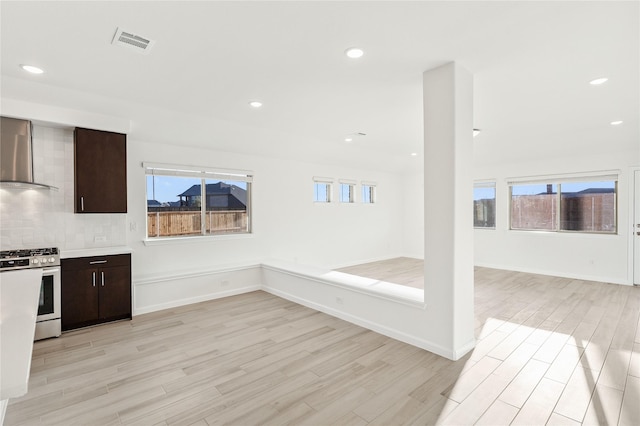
x: 531, y: 61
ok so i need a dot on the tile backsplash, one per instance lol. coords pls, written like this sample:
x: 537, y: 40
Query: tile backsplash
x: 31, y: 218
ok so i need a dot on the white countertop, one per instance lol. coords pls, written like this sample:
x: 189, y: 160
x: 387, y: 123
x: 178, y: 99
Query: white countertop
x: 100, y: 251
x: 19, y: 297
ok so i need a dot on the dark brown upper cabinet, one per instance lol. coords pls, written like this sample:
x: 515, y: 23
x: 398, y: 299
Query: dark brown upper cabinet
x: 100, y: 171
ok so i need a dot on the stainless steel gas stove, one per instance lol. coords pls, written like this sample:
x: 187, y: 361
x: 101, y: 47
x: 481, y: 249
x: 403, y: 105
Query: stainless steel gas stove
x: 48, y: 259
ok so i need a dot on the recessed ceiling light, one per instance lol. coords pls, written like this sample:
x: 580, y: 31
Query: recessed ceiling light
x: 414, y: 154
x: 476, y: 132
x: 616, y: 123
x: 598, y: 81
x: 348, y: 139
x: 354, y: 52
x: 255, y: 104
x: 32, y: 69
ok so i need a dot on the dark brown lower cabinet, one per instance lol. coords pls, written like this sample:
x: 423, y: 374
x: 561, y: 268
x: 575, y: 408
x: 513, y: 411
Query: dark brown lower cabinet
x: 95, y: 290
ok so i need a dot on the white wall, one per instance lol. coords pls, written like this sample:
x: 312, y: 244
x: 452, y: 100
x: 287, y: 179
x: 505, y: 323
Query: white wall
x: 413, y: 215
x: 287, y: 224
x: 584, y: 256
x: 444, y: 320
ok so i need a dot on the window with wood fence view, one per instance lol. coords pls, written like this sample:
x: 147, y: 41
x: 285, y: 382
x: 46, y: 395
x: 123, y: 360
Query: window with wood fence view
x: 568, y: 206
x: 185, y: 206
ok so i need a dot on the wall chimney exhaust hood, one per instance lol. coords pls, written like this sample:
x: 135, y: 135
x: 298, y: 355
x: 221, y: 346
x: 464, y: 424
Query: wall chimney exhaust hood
x: 16, y: 155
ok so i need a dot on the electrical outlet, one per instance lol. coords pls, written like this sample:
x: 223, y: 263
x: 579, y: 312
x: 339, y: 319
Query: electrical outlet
x: 224, y: 283
x: 133, y: 226
x: 100, y: 239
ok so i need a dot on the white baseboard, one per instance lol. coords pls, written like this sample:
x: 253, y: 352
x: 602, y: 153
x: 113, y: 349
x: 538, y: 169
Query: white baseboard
x: 3, y: 410
x: 164, y: 291
x: 417, y: 256
x: 464, y: 349
x: 379, y: 328
x: 181, y: 275
x: 197, y: 299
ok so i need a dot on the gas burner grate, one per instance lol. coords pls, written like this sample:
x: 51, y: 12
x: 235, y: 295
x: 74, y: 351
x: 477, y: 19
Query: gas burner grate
x: 18, y: 253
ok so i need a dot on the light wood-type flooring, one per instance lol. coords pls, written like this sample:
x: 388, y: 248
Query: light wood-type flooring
x: 550, y: 351
x: 401, y: 270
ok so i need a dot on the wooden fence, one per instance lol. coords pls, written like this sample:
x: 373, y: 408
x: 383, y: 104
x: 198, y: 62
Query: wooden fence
x: 585, y: 212
x: 534, y: 212
x: 183, y: 223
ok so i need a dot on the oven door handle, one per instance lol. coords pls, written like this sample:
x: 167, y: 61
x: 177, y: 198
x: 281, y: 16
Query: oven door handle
x: 50, y: 270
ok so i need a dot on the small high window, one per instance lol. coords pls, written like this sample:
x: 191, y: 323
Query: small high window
x: 368, y: 192
x: 322, y: 190
x: 347, y: 192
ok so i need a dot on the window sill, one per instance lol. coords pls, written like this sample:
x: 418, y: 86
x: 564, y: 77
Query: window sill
x: 576, y: 234
x: 200, y: 238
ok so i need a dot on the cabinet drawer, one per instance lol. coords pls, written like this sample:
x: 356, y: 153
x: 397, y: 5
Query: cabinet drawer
x: 97, y: 261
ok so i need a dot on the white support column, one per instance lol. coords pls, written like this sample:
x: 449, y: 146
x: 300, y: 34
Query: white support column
x: 448, y: 206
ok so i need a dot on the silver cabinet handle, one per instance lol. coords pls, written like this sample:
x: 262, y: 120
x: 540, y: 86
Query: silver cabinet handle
x: 95, y: 262
x: 82, y: 203
x: 93, y: 278
x: 102, y: 278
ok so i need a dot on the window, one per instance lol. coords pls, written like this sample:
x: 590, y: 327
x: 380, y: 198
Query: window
x: 534, y: 207
x: 484, y: 205
x: 185, y: 202
x: 368, y: 192
x: 588, y: 206
x: 322, y: 190
x: 570, y: 205
x: 347, y: 191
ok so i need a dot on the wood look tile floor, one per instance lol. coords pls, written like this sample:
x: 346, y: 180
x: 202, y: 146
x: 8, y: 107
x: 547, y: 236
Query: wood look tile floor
x: 401, y: 270
x: 550, y: 351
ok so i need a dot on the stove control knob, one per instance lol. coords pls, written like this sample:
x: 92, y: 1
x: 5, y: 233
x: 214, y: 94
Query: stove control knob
x: 35, y: 261
x: 51, y: 260
x: 43, y: 260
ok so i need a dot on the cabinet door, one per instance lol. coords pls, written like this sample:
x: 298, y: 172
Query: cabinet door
x: 100, y: 171
x: 79, y: 297
x: 115, y: 292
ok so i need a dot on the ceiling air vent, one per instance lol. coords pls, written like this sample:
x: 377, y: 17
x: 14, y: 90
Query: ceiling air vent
x: 132, y: 41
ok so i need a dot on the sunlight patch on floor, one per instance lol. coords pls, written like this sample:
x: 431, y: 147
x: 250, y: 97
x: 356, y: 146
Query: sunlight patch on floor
x: 517, y: 372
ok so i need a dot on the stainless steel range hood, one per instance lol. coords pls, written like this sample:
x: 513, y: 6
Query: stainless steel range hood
x: 16, y: 155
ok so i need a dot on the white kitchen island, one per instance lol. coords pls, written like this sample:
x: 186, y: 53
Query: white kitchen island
x: 19, y: 296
